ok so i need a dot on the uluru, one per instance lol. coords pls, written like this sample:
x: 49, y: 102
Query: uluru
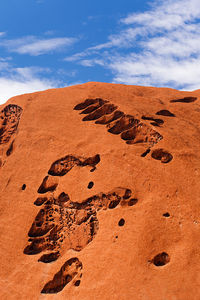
x: 100, y: 194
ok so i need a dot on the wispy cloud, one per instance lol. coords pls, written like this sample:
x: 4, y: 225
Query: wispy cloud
x: 166, y: 14
x: 160, y: 47
x: 147, y: 69
x: 33, y: 45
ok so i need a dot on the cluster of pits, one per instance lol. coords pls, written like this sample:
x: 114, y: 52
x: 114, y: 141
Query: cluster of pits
x: 72, y: 225
x: 71, y: 270
x: 9, y: 121
x: 62, y: 224
x: 131, y: 129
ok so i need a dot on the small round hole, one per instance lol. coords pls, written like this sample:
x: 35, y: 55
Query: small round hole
x: 90, y: 184
x: 23, y: 187
x: 121, y: 222
x: 161, y: 259
x: 166, y: 215
x: 77, y: 283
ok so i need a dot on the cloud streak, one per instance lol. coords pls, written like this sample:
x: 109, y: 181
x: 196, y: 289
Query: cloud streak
x: 35, y: 46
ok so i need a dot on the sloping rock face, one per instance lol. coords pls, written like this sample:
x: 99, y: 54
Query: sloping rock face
x: 100, y: 194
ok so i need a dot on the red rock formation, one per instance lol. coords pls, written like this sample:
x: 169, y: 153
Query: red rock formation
x: 100, y: 194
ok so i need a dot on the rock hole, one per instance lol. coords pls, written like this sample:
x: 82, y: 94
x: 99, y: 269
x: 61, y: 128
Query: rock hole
x: 63, y: 198
x: 91, y: 161
x: 39, y: 201
x: 156, y: 121
x: 146, y: 118
x: 77, y: 282
x: 154, y: 124
x: 10, y: 149
x: 89, y: 102
x: 166, y: 215
x: 161, y: 259
x: 121, y: 222
x: 145, y: 153
x: 86, y: 103
x: 106, y: 109
x: 162, y: 155
x: 127, y: 194
x: 62, y: 166
x: 114, y: 203
x: 165, y: 112
x: 90, y: 184
x: 93, y: 107
x: 129, y: 134
x: 110, y: 118
x: 184, y: 100
x: 40, y: 225
x: 23, y: 187
x: 132, y: 201
x: 47, y: 258
x: 159, y: 121
x: 35, y: 247
x: 126, y: 122
x: 47, y: 185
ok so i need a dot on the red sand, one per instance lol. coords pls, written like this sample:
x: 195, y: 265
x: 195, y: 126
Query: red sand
x: 100, y: 197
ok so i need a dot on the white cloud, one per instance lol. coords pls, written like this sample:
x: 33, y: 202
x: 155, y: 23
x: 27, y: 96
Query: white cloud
x: 169, y: 47
x: 150, y: 70
x: 160, y: 47
x: 23, y: 80
x: 12, y: 87
x: 36, y: 46
x: 166, y: 14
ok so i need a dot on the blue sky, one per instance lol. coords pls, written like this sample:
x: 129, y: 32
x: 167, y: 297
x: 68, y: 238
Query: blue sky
x: 48, y: 43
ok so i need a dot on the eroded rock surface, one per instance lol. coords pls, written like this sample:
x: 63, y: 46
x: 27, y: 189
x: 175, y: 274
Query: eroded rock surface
x: 9, y: 121
x: 100, y: 194
x: 132, y: 130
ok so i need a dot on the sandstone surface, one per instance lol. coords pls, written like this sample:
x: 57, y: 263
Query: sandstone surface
x: 100, y: 194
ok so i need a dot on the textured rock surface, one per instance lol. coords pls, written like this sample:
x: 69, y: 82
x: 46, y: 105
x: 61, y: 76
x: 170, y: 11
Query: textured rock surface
x: 100, y: 194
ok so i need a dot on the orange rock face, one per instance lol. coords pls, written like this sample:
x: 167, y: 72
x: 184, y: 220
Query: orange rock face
x: 100, y: 194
